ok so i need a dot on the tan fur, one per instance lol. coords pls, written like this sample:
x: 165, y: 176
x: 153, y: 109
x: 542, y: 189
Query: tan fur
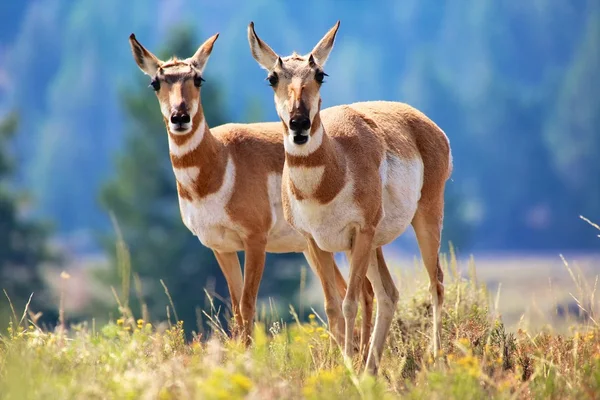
x: 381, y: 166
x: 250, y: 218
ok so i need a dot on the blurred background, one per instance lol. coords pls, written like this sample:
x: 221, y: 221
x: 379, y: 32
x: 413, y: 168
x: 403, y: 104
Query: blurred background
x: 515, y: 85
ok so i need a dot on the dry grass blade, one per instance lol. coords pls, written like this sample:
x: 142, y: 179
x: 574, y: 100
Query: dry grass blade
x: 12, y: 308
x: 170, y: 299
x: 123, y: 261
x: 26, y: 309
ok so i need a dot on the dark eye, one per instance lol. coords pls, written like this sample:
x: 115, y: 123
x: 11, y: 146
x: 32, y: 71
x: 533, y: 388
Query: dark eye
x: 198, y: 81
x: 273, y: 79
x: 155, y: 84
x: 319, y: 76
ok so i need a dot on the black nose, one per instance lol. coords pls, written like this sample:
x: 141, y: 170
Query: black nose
x: 300, y: 123
x: 180, y: 118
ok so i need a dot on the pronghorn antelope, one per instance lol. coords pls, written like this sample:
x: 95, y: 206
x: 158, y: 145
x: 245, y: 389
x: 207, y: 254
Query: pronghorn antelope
x: 227, y: 198
x: 355, y: 177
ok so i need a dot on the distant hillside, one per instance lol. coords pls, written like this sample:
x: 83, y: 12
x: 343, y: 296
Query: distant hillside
x: 514, y: 85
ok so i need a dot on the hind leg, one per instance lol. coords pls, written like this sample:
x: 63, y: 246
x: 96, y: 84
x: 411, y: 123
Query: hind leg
x: 387, y: 298
x: 367, y: 317
x: 427, y: 224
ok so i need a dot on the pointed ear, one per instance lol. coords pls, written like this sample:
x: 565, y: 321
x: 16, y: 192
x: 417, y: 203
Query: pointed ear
x: 147, y: 61
x: 262, y: 53
x: 323, y: 48
x: 199, y: 59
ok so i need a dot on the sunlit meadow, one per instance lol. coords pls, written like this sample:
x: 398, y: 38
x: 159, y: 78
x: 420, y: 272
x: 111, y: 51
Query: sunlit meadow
x: 130, y: 358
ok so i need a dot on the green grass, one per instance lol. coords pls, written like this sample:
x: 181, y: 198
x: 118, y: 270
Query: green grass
x: 130, y: 358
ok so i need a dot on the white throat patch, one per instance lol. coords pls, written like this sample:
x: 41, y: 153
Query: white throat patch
x: 314, y: 142
x: 191, y: 144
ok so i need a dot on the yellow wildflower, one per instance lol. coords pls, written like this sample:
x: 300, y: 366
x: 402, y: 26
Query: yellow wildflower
x: 120, y: 321
x: 242, y: 381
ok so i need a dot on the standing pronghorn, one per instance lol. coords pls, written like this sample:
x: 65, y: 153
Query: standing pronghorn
x: 227, y: 198
x: 355, y: 177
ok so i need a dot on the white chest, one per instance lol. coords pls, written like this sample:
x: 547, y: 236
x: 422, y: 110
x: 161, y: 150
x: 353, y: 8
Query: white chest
x: 331, y: 225
x: 282, y: 237
x: 207, y: 217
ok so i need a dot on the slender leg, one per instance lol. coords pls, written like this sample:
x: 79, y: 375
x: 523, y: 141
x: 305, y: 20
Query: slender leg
x: 359, y: 264
x: 366, y: 300
x: 230, y: 265
x: 428, y: 228
x: 325, y: 267
x: 367, y: 317
x: 340, y: 283
x: 387, y: 298
x: 254, y: 265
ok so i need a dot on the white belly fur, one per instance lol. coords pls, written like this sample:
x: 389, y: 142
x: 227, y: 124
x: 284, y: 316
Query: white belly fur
x: 333, y: 225
x: 402, y: 182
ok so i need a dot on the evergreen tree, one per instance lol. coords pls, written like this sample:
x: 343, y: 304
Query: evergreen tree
x: 23, y: 242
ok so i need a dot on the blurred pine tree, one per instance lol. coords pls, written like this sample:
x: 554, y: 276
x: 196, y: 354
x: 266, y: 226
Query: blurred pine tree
x: 23, y: 242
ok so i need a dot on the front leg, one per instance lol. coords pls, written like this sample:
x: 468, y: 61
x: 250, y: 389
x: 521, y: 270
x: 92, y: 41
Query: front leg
x: 230, y: 265
x: 359, y: 264
x: 254, y: 265
x: 324, y: 266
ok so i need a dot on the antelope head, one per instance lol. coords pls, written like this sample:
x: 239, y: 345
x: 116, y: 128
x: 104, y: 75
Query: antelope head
x: 296, y: 81
x: 177, y: 84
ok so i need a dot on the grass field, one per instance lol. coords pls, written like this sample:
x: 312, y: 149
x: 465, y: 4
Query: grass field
x: 129, y: 358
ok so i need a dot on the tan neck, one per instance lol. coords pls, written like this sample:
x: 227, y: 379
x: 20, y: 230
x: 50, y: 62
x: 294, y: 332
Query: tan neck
x: 320, y: 174
x: 199, y: 158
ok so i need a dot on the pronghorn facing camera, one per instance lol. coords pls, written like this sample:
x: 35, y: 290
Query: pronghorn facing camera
x: 227, y: 198
x: 355, y: 177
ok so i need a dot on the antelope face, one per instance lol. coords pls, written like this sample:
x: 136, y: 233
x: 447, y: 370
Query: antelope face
x: 296, y: 81
x: 176, y: 83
